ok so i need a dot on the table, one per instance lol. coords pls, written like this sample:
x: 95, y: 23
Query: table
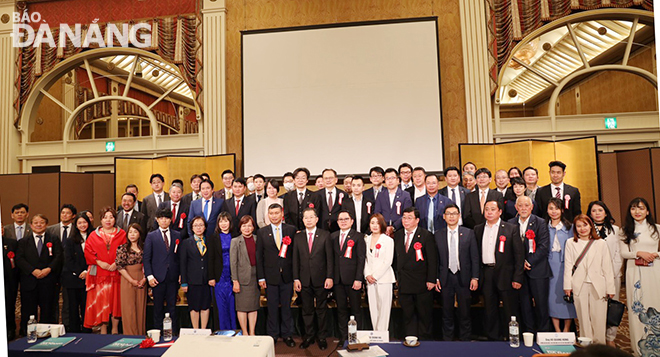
x: 455, y: 348
x: 214, y: 346
x: 86, y: 347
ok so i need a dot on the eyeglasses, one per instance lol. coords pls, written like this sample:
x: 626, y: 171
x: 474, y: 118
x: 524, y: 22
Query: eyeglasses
x: 343, y: 219
x: 452, y: 214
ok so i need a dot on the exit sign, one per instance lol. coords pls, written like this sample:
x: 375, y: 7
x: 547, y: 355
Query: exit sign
x: 610, y: 123
x: 109, y: 146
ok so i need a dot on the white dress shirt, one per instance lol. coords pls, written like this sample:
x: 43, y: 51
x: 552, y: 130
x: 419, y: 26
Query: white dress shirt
x: 68, y: 230
x: 334, y: 195
x: 553, y: 188
x: 523, y: 227
x: 358, y: 214
x: 159, y: 197
x: 392, y: 196
x: 455, y: 246
x: 22, y: 227
x: 412, y: 236
x: 419, y: 193
x: 210, y: 209
x: 489, y: 242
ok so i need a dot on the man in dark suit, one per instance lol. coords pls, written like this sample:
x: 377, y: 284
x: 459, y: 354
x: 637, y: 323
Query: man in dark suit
x: 187, y: 199
x: 240, y: 205
x: 535, y: 236
x: 295, y: 201
x: 312, y: 273
x: 128, y: 215
x: 358, y: 206
x: 531, y: 177
x: 11, y: 275
x: 20, y: 228
x: 418, y: 188
x: 227, y: 180
x: 473, y: 214
x: 569, y: 195
x: 376, y: 177
x: 431, y: 206
x: 331, y: 201
x: 350, y: 252
x: 502, y: 259
x: 151, y: 202
x: 62, y: 230
x: 179, y: 211
x: 392, y: 202
x: 207, y: 207
x: 458, y: 273
x: 275, y: 273
x: 132, y: 188
x: 454, y: 190
x: 405, y: 175
x: 39, y: 258
x: 161, y: 266
x: 416, y: 261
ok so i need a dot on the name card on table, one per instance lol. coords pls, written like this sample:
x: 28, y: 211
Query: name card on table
x: 373, y: 336
x: 555, y: 338
x: 195, y: 332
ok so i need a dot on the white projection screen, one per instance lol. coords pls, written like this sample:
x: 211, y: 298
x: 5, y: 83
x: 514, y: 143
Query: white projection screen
x: 348, y: 97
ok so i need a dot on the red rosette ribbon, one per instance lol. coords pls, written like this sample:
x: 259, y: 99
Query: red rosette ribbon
x: 11, y: 256
x: 376, y: 253
x: 50, y: 248
x: 368, y: 207
x: 176, y: 245
x: 341, y: 198
x: 147, y: 343
x: 311, y: 205
x: 286, y: 241
x: 349, y: 249
x: 398, y: 207
x: 532, y: 242
x: 502, y: 241
x: 418, y: 251
x: 181, y: 220
x: 567, y: 199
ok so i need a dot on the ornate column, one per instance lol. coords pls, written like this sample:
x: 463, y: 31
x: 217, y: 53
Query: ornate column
x: 475, y: 63
x: 214, y: 121
x: 10, y: 138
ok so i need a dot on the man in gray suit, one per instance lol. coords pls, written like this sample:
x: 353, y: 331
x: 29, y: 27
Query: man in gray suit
x: 150, y: 203
x: 20, y: 228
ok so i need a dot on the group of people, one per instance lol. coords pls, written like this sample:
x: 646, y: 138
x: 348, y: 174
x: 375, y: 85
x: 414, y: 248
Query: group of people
x: 526, y: 246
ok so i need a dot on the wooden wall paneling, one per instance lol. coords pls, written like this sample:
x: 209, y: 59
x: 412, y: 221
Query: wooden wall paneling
x: 581, y: 167
x: 44, y: 195
x: 15, y: 190
x: 634, y: 171
x: 609, y: 184
x: 655, y: 170
x: 77, y: 189
x: 103, y: 193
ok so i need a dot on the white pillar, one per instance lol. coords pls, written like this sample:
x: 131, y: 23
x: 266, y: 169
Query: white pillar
x: 214, y: 120
x: 10, y: 137
x: 475, y: 63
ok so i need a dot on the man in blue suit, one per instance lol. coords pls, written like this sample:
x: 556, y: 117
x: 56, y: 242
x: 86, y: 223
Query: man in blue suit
x: 536, y: 240
x: 454, y: 190
x: 431, y: 217
x: 161, y: 266
x: 392, y: 202
x: 458, y: 272
x: 207, y: 207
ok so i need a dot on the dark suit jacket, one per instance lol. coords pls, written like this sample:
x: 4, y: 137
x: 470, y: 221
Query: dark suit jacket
x: 136, y: 217
x: 248, y: 206
x: 349, y: 270
x: 10, y: 231
x: 11, y: 274
x: 313, y: 268
x: 28, y: 259
x: 328, y: 218
x: 54, y: 230
x: 270, y: 266
x: 150, y: 206
x: 411, y: 192
x: 158, y: 261
x: 220, y: 194
x: 461, y: 191
x: 468, y: 255
x: 510, y: 264
x: 412, y: 274
x: 571, y: 210
x: 367, y: 208
x: 539, y: 259
x: 390, y: 213
x: 422, y: 205
x: 194, y: 266
x: 180, y: 222
x: 293, y: 210
x: 370, y: 195
x: 74, y: 264
x: 187, y: 199
x: 215, y: 256
x: 197, y: 209
x: 472, y: 215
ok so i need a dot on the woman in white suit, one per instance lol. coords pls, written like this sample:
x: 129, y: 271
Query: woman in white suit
x: 272, y: 188
x: 378, y: 273
x: 593, y: 280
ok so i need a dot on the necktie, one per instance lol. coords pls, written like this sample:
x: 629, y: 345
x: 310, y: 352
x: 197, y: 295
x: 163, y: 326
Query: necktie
x: 278, y: 238
x: 330, y: 201
x: 200, y: 245
x: 40, y: 244
x: 341, y: 241
x: 453, y: 259
x: 158, y: 200
x: 227, y: 194
x: 310, y: 242
x: 167, y: 241
x: 482, y: 201
x: 558, y: 194
x: 258, y: 198
x: 195, y: 197
x: 126, y: 219
x: 300, y: 198
x: 65, y: 234
x: 19, y: 232
x: 431, y: 215
x: 173, y: 211
x: 453, y: 195
x: 408, y: 234
x: 238, y: 206
x: 206, y: 210
x: 376, y: 192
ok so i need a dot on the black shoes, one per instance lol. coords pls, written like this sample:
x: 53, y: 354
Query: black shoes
x: 323, y: 344
x: 289, y: 342
x: 306, y: 343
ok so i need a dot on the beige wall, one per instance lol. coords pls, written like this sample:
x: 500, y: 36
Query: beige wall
x: 264, y: 14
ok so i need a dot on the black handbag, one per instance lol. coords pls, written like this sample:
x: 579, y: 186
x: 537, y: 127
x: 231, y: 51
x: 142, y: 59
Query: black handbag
x: 615, y: 311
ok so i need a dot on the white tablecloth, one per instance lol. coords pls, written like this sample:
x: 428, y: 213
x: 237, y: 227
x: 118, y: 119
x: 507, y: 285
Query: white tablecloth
x: 202, y: 346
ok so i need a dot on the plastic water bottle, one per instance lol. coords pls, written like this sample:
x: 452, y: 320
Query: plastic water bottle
x: 352, y: 331
x: 167, y: 327
x: 32, y: 330
x: 514, y: 333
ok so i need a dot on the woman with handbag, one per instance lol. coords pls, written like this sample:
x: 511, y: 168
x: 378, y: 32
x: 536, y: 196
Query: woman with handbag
x: 588, y: 275
x: 639, y: 247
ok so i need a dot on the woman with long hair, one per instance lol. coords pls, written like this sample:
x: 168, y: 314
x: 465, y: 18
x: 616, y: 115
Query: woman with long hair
x: 244, y: 275
x: 219, y: 245
x: 103, y: 290
x: 591, y: 279
x: 639, y: 247
x: 75, y: 270
x: 133, y: 282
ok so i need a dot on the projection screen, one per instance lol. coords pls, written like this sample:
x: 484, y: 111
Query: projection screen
x: 348, y: 97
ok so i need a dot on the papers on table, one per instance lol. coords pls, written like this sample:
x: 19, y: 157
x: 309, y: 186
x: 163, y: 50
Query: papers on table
x: 373, y: 351
x: 122, y: 345
x: 50, y: 344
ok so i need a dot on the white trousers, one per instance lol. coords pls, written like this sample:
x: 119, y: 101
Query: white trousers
x: 592, y: 313
x: 610, y: 334
x: 380, y: 305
